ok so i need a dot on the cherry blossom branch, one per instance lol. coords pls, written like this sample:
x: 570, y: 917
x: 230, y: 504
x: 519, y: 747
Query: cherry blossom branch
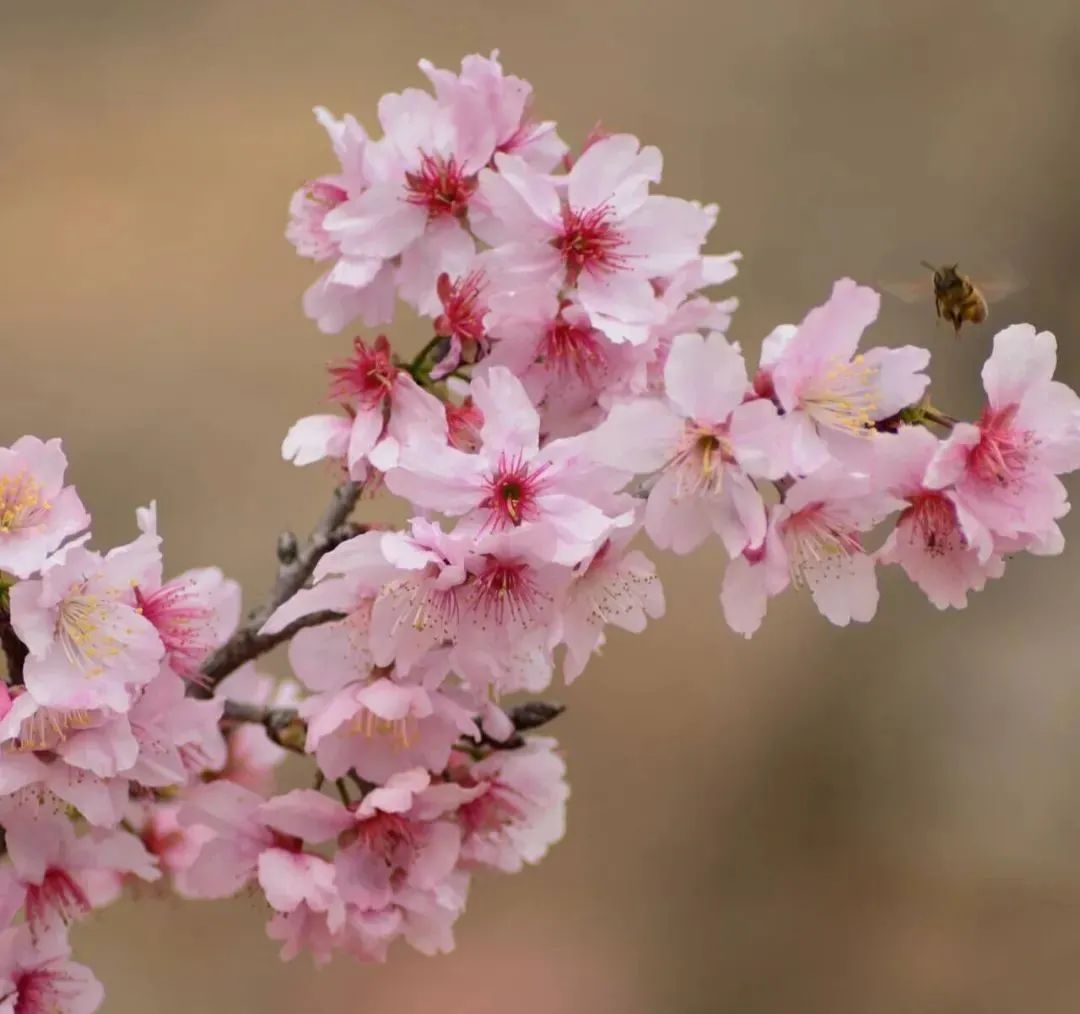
x: 14, y: 650
x: 525, y: 717
x: 296, y: 564
x: 285, y: 727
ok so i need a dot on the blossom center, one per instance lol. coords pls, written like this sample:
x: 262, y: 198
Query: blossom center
x: 505, y: 590
x: 934, y: 523
x: 84, y: 630
x: 47, y: 728
x: 401, y: 731
x: 441, y: 186
x: 512, y: 492
x: 1003, y: 451
x: 568, y: 348
x: 844, y: 396
x: 463, y: 423
x: 182, y: 622
x: 463, y: 312
x: 700, y: 461
x: 491, y: 811
x: 589, y: 241
x: 56, y: 895
x: 815, y: 539
x: 21, y: 502
x: 367, y: 377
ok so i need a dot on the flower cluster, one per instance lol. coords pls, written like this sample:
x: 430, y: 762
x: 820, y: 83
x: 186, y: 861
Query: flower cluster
x: 578, y: 392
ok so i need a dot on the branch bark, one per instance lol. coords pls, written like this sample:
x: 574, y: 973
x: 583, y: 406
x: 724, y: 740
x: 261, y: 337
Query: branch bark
x: 284, y: 725
x: 14, y: 650
x: 296, y: 564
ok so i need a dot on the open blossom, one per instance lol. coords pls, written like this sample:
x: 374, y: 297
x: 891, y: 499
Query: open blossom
x: 386, y: 409
x: 1004, y: 469
x: 505, y: 100
x: 511, y: 806
x: 377, y: 726
x: 826, y: 387
x: 354, y: 286
x: 512, y: 481
x: 192, y: 614
x: 599, y: 230
x: 706, y: 443
x: 814, y: 540
x: 422, y: 178
x: 37, y: 511
x: 88, y: 641
x: 929, y: 540
x: 59, y: 872
x: 617, y: 586
x: 38, y: 977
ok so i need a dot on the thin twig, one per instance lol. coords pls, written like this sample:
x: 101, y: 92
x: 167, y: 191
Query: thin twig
x: 14, y: 650
x: 524, y: 718
x: 296, y: 564
x: 285, y: 722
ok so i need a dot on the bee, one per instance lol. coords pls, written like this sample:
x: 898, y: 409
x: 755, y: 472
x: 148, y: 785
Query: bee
x: 957, y: 299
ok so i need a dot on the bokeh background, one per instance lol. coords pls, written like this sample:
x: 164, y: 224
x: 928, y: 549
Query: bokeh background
x: 883, y: 819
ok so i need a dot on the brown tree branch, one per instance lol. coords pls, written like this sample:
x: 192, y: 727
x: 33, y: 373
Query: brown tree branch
x: 286, y: 728
x: 14, y: 650
x: 296, y: 564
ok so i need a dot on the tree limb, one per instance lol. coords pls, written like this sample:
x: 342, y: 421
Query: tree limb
x: 296, y: 564
x: 14, y: 650
x: 285, y: 727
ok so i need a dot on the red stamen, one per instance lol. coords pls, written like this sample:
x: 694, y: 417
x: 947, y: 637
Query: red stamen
x: 1001, y: 456
x: 512, y: 491
x: 505, y: 590
x: 572, y: 348
x: 463, y: 312
x: 367, y: 377
x: 441, y: 186
x: 589, y: 242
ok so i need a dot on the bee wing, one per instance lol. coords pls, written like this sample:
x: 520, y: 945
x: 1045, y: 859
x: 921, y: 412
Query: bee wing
x: 1001, y: 285
x: 909, y: 291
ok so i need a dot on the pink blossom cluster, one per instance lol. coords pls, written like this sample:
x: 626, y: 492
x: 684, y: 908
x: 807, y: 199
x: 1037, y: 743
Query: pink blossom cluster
x: 578, y: 392
x: 96, y: 724
x: 580, y: 385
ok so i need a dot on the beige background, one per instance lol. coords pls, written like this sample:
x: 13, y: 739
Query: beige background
x: 875, y: 820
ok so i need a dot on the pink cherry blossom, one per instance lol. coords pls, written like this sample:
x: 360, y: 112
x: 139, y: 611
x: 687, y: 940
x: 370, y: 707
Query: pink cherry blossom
x: 814, y: 540
x: 483, y: 89
x: 378, y: 727
x: 564, y: 362
x: 607, y: 236
x: 1004, y: 468
x: 511, y: 481
x: 422, y: 178
x: 178, y: 736
x: 37, y: 511
x: 229, y: 857
x: 826, y: 387
x: 192, y: 614
x: 56, y: 868
x: 705, y: 443
x: 355, y: 286
x: 511, y: 805
x: 929, y: 540
x: 37, y: 977
x: 819, y: 527
x: 88, y: 642
x: 617, y: 586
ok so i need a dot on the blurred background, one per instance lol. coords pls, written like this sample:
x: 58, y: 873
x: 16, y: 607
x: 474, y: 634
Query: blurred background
x: 883, y: 819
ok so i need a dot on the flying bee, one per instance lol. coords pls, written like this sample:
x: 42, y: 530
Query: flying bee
x: 957, y: 299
